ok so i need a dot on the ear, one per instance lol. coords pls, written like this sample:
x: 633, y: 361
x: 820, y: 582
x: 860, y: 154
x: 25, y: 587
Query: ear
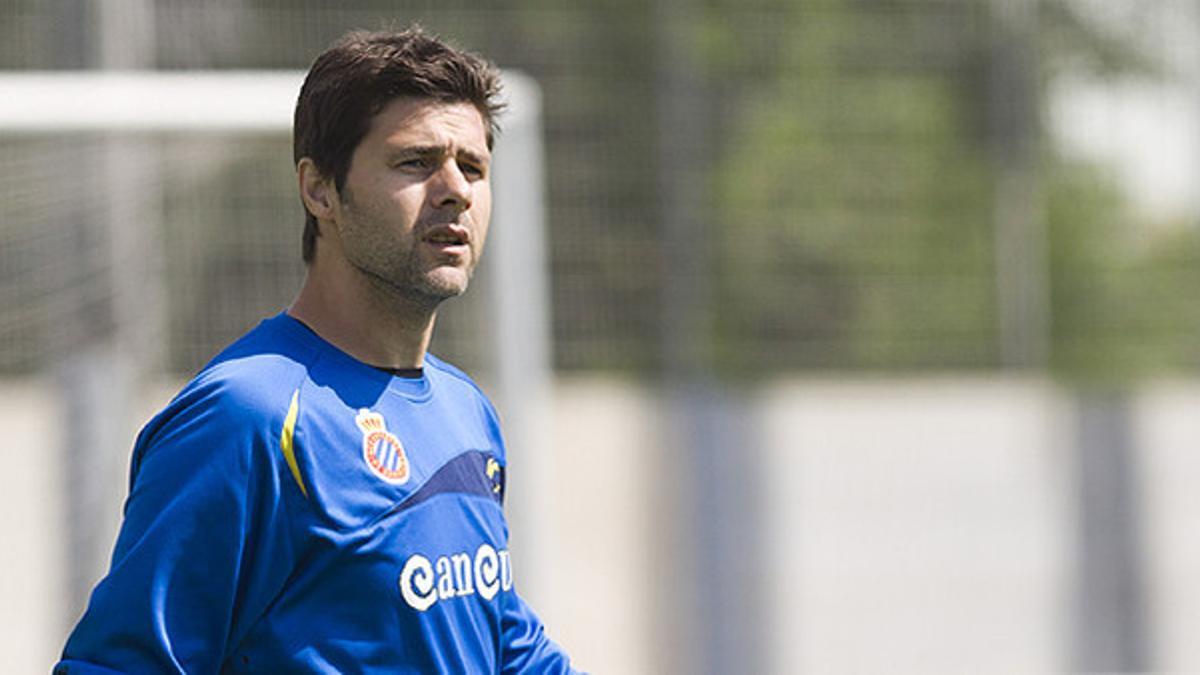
x: 318, y: 192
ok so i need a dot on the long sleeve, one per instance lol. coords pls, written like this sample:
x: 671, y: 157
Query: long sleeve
x: 526, y: 647
x: 202, y: 549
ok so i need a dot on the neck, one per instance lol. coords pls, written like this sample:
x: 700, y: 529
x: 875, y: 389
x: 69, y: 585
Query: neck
x: 377, y: 326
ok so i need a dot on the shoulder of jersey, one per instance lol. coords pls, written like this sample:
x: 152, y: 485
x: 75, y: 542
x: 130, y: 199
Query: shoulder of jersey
x: 433, y: 363
x: 257, y: 374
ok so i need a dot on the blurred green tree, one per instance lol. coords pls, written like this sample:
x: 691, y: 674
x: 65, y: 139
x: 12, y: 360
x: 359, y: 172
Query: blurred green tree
x: 854, y: 196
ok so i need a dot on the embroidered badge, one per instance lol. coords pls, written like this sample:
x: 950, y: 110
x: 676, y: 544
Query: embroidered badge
x: 382, y: 450
x: 495, y: 475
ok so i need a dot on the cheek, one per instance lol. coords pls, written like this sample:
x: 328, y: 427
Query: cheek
x: 481, y: 214
x: 480, y: 235
x: 403, y: 200
x: 480, y: 240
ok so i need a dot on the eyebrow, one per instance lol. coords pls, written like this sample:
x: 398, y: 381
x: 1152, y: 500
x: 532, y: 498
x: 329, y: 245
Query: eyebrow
x: 437, y: 151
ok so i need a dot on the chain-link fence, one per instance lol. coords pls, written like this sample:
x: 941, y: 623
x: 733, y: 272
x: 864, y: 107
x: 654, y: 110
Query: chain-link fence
x: 841, y: 167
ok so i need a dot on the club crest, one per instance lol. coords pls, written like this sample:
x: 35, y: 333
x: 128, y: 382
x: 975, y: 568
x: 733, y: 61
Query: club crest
x: 382, y: 450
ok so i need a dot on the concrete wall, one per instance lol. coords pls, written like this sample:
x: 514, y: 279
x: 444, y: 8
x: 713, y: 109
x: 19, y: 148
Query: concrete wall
x: 33, y: 566
x: 922, y: 526
x: 1168, y: 433
x: 918, y: 527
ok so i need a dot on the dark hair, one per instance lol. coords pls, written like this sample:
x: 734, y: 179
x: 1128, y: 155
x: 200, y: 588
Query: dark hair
x: 359, y: 75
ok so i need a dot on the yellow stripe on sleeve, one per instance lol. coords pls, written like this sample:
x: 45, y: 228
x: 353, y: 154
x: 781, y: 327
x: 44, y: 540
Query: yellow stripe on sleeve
x: 285, y: 441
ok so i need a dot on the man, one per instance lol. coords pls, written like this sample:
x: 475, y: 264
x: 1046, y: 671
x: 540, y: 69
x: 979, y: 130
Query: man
x: 325, y: 496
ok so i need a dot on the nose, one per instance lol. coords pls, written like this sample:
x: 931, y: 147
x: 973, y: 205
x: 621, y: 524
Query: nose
x: 452, y: 189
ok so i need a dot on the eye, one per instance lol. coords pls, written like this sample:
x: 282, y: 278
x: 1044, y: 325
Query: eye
x: 414, y: 164
x: 472, y: 171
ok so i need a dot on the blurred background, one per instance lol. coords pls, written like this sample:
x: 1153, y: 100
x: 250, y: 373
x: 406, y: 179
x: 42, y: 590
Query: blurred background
x: 865, y: 334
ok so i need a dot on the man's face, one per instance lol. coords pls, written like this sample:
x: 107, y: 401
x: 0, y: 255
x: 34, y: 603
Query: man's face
x: 413, y: 213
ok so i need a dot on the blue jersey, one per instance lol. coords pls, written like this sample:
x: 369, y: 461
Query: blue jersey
x: 294, y: 510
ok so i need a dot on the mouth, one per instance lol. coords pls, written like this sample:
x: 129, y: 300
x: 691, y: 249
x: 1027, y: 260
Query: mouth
x: 450, y: 239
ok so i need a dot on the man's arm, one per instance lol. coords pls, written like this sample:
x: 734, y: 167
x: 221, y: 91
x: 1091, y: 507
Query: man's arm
x: 198, y: 555
x: 526, y: 647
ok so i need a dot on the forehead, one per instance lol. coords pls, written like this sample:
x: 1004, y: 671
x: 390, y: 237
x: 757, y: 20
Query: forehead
x: 424, y: 121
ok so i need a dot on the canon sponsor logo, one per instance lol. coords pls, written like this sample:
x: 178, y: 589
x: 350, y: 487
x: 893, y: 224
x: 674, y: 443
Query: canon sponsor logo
x: 423, y: 583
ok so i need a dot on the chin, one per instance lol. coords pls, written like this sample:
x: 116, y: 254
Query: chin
x: 445, y: 286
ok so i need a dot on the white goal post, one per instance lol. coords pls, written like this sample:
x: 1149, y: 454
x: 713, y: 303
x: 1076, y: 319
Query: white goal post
x: 514, y: 275
x: 132, y: 101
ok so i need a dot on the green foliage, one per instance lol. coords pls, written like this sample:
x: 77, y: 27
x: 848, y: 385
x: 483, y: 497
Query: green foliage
x: 1074, y: 40
x: 853, y: 211
x: 855, y: 207
x: 1123, y: 298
